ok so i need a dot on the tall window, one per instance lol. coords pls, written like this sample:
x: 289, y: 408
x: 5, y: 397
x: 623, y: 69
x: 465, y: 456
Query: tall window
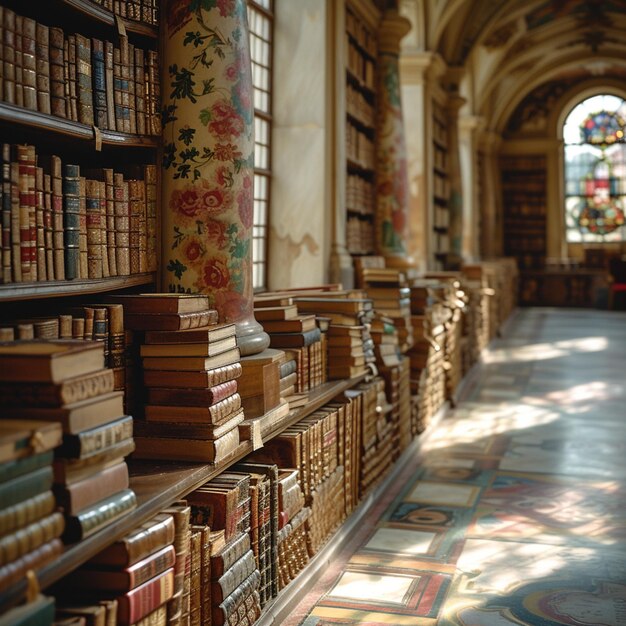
x: 595, y: 170
x: 261, y: 22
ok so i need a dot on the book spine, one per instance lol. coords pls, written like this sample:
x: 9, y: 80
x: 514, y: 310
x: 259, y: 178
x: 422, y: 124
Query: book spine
x: 48, y: 226
x: 19, y: 85
x: 40, y: 236
x: 122, y: 225
x: 92, y: 441
x: 83, y: 247
x: 69, y: 54
x: 233, y: 577
x: 25, y: 487
x: 153, y: 98
x: 7, y: 261
x: 89, y: 521
x: 15, y: 222
x: 12, y: 469
x: 29, y: 538
x: 94, y: 229
x: 135, y: 209
x: 224, y: 560
x: 102, y: 191
x: 109, y: 85
x: 161, y: 561
x: 99, y: 84
x: 15, y: 571
x: 141, y: 601
x: 8, y: 56
x: 124, y: 84
x: 71, y: 220
x: 24, y: 513
x: 27, y: 219
x: 57, y: 72
x: 29, y: 63
x: 222, y: 613
x: 132, y: 103
x: 84, y: 80
x: 43, y: 68
x: 150, y: 177
x: 140, y: 96
x: 110, y: 220
x: 57, y: 216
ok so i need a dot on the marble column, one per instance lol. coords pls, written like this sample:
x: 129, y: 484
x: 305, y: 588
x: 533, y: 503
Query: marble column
x: 392, y: 195
x: 455, y: 197
x: 208, y: 160
x: 489, y: 208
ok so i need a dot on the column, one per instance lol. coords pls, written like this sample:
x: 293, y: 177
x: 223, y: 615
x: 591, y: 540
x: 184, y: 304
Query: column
x: 455, y: 197
x: 208, y: 161
x: 392, y: 195
x: 489, y: 211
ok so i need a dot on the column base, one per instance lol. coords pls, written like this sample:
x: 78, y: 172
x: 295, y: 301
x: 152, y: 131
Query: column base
x: 251, y: 338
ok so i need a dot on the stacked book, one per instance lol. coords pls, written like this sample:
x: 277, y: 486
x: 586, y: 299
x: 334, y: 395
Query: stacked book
x: 30, y: 525
x: 87, y: 80
x: 428, y: 379
x: 349, y: 344
x: 190, y: 375
x: 295, y: 332
x: 104, y: 323
x: 58, y: 224
x: 264, y: 524
x: 224, y: 505
x: 480, y: 294
x: 377, y: 433
x: 40, y: 610
x: 145, y: 11
x: 91, y: 481
x: 127, y: 582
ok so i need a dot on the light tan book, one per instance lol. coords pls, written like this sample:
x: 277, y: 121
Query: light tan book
x: 215, y: 414
x: 188, y: 430
x: 162, y: 303
x: 205, y: 349
x: 23, y: 437
x: 191, y: 363
x: 301, y: 323
x: 267, y: 313
x: 199, y: 379
x: 191, y: 335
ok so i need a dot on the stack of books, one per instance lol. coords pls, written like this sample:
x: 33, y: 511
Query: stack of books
x: 190, y: 377
x: 224, y: 505
x: 91, y: 481
x: 348, y: 340
x: 264, y: 524
x: 37, y: 611
x: 30, y: 525
x: 127, y: 582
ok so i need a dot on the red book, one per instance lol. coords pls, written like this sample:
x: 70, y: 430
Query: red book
x: 191, y: 397
x: 136, y: 604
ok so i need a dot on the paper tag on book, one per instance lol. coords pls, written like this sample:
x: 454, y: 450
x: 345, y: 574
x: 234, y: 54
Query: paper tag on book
x: 97, y: 135
x: 257, y: 439
x: 121, y: 27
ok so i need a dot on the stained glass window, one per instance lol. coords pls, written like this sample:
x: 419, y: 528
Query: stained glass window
x: 595, y: 170
x: 261, y: 23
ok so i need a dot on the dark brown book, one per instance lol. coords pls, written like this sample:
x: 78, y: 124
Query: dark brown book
x: 215, y: 414
x: 57, y: 73
x: 199, y: 379
x: 43, y: 68
x: 186, y: 430
x: 76, y: 417
x: 191, y: 397
x: 29, y: 63
x: 274, y: 313
x: 8, y: 56
x: 181, y: 321
x: 299, y: 324
x: 199, y: 349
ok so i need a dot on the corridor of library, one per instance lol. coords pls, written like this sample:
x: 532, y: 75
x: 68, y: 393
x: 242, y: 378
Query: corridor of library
x: 513, y: 510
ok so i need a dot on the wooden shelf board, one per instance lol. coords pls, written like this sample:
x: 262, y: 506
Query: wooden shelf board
x: 34, y: 119
x: 358, y: 82
x: 106, y: 17
x: 81, y: 286
x: 360, y: 167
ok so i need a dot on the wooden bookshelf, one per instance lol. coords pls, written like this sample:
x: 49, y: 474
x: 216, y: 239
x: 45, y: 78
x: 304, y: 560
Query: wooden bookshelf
x: 158, y: 484
x: 524, y: 201
x: 360, y: 48
x: 441, y: 187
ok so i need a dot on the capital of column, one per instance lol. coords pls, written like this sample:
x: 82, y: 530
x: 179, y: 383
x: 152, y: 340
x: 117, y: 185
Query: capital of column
x: 490, y: 141
x: 421, y: 67
x: 454, y: 104
x: 393, y: 28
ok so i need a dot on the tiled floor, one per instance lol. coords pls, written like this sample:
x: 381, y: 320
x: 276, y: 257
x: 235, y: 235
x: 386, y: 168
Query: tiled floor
x: 515, y: 511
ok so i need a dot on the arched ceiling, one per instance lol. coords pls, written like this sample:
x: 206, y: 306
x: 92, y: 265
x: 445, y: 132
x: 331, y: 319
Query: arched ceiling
x: 512, y: 48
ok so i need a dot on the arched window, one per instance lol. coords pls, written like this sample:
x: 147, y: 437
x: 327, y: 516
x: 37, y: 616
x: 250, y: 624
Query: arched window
x: 595, y: 170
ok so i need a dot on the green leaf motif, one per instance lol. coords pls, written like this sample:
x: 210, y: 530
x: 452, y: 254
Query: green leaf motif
x: 182, y: 85
x: 183, y: 171
x: 240, y: 249
x: 209, y: 86
x: 178, y: 237
x: 167, y: 114
x: 169, y: 155
x: 232, y: 230
x: 186, y: 135
x: 196, y: 5
x: 205, y: 117
x: 189, y: 155
x: 177, y: 268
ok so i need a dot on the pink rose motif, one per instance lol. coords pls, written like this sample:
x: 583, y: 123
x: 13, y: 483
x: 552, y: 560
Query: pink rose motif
x: 225, y: 122
x: 243, y: 91
x: 216, y: 273
x: 193, y: 250
x: 245, y: 203
x: 216, y: 232
x: 214, y: 201
x: 231, y: 73
x: 223, y: 176
x: 226, y: 7
x: 185, y: 202
x: 232, y: 306
x: 226, y: 152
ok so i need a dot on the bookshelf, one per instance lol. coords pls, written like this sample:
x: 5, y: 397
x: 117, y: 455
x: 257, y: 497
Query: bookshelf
x: 441, y: 186
x: 524, y: 200
x: 157, y: 485
x: 360, y: 50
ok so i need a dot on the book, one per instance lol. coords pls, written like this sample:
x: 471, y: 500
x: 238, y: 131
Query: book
x: 275, y: 313
x: 38, y: 611
x: 162, y: 303
x: 214, y: 414
x: 180, y: 449
x: 70, y: 471
x: 233, y: 577
x: 23, y: 513
x: 83, y: 493
x: 23, y: 438
x: 295, y: 340
x: 300, y: 323
x: 332, y: 305
x: 122, y: 580
x: 94, y: 440
x: 191, y: 363
x: 91, y: 520
x: 45, y: 554
x: 209, y: 348
x: 191, y: 397
x: 140, y: 601
x: 77, y: 417
x: 199, y: 379
x: 151, y: 536
x: 222, y: 560
x: 26, y: 486
x: 192, y: 335
x: 49, y: 361
x: 187, y: 430
x: 11, y: 470
x: 182, y: 321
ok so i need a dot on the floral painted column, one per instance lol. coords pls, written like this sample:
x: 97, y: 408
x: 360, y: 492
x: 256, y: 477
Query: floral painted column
x: 392, y: 200
x: 208, y: 160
